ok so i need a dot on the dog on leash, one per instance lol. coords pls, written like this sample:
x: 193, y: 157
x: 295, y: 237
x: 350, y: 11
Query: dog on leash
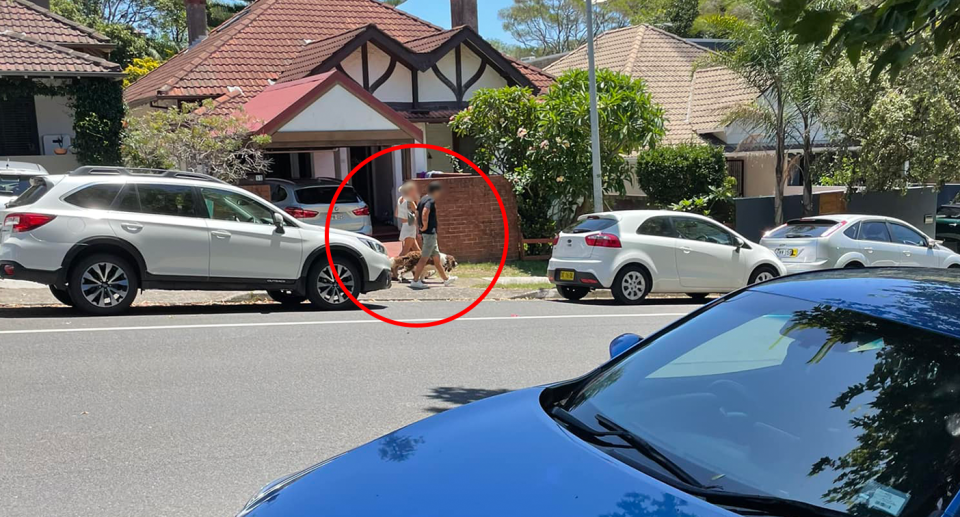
x: 400, y: 266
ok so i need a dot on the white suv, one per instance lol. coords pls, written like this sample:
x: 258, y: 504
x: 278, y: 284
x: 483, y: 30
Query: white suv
x: 99, y: 234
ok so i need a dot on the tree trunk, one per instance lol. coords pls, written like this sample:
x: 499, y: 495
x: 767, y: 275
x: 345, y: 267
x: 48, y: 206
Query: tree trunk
x: 778, y: 171
x: 806, y: 171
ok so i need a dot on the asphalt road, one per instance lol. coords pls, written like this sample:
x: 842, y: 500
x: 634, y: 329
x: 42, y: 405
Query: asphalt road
x: 188, y: 411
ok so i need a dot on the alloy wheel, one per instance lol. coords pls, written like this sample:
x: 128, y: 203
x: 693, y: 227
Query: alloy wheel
x: 327, y: 284
x: 763, y: 276
x: 633, y: 285
x: 104, y: 284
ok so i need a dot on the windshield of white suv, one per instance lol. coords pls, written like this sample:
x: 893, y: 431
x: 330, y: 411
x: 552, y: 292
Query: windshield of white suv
x: 777, y: 396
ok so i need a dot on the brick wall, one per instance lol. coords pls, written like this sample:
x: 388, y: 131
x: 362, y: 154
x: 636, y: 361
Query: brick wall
x: 471, y: 227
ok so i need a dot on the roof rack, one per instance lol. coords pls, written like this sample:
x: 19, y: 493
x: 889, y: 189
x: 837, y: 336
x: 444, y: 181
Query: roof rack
x: 101, y: 170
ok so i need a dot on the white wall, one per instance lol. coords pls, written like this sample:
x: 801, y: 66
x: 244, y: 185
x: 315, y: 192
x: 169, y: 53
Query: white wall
x: 338, y: 110
x: 398, y: 87
x: 440, y: 135
x: 324, y: 164
x: 430, y: 87
x: 470, y: 63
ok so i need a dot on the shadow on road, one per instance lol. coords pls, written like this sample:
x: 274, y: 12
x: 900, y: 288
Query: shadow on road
x: 172, y: 310
x: 458, y: 396
x: 649, y: 302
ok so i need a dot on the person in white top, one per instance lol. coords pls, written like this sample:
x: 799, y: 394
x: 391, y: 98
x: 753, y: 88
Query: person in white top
x: 407, y: 214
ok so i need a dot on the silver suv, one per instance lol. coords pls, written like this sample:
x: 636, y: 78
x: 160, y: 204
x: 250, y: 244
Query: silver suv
x: 99, y: 234
x: 309, y: 202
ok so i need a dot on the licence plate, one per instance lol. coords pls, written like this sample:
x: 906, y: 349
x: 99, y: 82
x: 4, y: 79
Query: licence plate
x: 567, y: 275
x: 786, y: 252
x: 335, y: 217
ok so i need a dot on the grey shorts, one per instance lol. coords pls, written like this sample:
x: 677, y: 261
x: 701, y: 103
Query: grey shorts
x: 430, y: 248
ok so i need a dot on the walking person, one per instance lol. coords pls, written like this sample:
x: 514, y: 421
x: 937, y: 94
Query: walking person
x: 407, y: 214
x: 427, y: 212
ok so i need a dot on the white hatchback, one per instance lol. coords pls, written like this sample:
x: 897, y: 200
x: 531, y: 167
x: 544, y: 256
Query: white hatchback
x: 854, y: 240
x: 634, y: 253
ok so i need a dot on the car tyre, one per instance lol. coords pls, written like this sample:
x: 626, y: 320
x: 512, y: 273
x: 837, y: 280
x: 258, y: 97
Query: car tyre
x: 62, y: 296
x: 288, y: 298
x: 953, y: 266
x: 631, y: 285
x: 103, y: 284
x: 322, y: 288
x: 853, y: 265
x: 762, y: 274
x: 572, y: 293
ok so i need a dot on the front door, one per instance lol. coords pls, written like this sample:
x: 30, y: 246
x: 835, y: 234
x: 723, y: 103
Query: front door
x: 162, y: 222
x: 913, y: 247
x: 876, y: 245
x: 244, y: 243
x: 707, y: 255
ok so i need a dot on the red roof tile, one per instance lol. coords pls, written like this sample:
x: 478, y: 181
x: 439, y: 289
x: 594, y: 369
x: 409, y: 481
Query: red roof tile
x: 431, y: 42
x: 36, y: 22
x: 315, y: 53
x: 23, y: 55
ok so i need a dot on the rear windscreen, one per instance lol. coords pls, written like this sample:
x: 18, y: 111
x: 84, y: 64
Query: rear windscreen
x: 13, y: 185
x: 802, y: 229
x: 31, y: 195
x: 590, y: 225
x: 323, y: 195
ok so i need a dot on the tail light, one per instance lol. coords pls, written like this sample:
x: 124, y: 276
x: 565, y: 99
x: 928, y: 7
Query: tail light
x: 833, y: 229
x: 603, y: 240
x: 556, y: 240
x: 300, y: 213
x: 363, y: 210
x: 26, y: 222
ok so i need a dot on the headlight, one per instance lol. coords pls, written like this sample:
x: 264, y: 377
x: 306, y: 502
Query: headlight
x: 375, y: 246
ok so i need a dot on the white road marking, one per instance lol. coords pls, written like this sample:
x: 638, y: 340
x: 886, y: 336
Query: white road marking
x: 331, y: 322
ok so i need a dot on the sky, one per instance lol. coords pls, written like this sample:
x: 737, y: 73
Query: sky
x: 437, y: 12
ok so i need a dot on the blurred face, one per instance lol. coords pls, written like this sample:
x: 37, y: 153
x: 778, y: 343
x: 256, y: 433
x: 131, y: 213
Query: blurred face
x: 437, y: 194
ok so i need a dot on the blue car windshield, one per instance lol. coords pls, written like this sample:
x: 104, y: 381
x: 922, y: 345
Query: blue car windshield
x: 771, y: 395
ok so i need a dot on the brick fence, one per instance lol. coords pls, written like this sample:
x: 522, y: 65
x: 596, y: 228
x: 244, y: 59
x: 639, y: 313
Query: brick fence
x: 471, y: 227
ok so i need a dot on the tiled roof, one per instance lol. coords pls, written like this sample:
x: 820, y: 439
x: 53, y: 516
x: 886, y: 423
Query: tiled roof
x: 36, y: 22
x: 539, y: 78
x: 693, y: 100
x: 23, y: 55
x: 431, y: 42
x: 429, y: 115
x: 253, y: 48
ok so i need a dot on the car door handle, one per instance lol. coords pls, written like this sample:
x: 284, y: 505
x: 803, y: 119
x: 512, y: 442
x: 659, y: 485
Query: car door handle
x: 868, y: 250
x: 685, y: 249
x: 907, y: 253
x: 131, y: 227
x: 220, y: 234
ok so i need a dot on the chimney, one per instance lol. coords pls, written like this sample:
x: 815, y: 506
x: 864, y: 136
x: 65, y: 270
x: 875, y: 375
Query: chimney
x: 42, y: 3
x: 464, y: 12
x: 196, y: 21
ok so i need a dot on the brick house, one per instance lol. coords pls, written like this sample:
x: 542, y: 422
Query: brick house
x: 40, y: 49
x: 335, y: 81
x: 695, y: 99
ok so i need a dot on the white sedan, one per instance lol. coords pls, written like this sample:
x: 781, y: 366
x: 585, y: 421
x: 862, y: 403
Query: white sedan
x: 634, y: 253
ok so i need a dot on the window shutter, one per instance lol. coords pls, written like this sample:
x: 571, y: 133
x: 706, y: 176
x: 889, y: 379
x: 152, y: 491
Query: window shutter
x: 18, y: 127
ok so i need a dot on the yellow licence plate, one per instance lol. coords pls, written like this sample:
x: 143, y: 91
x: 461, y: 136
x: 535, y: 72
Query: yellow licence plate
x: 567, y: 275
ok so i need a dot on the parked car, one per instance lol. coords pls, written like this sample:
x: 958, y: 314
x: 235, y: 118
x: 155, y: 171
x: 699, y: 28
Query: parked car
x: 948, y: 226
x: 636, y: 252
x: 782, y: 399
x: 15, y: 178
x: 100, y: 234
x: 852, y: 241
x: 309, y: 202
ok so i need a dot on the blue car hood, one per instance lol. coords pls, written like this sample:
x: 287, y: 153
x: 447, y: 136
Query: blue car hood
x: 503, y: 456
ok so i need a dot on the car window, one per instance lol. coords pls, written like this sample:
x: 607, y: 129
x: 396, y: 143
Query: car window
x: 590, y: 224
x: 324, y: 195
x: 949, y: 211
x: 802, y: 229
x: 277, y: 193
x: 904, y: 235
x: 659, y: 226
x: 874, y: 231
x: 12, y: 184
x: 98, y: 197
x: 157, y: 199
x: 852, y: 231
x: 224, y: 205
x: 697, y: 230
x: 38, y: 187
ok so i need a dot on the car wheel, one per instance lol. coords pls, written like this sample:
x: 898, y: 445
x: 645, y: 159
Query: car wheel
x: 287, y: 297
x: 322, y: 287
x: 103, y: 285
x: 631, y: 285
x: 572, y: 293
x: 698, y: 296
x: 62, y: 296
x: 762, y: 274
x: 853, y: 265
x: 953, y: 266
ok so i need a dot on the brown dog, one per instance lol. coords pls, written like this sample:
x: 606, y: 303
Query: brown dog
x: 400, y: 266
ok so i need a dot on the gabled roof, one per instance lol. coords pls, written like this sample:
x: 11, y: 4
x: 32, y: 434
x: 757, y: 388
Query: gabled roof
x: 694, y: 100
x: 36, y: 22
x: 278, y: 104
x: 256, y: 45
x: 25, y: 56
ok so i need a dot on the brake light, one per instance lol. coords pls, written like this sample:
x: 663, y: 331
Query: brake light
x: 556, y: 239
x: 300, y: 213
x: 603, y: 240
x: 363, y: 210
x: 833, y: 229
x: 26, y: 222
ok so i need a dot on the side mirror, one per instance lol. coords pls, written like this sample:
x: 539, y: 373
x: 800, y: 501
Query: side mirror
x: 740, y: 243
x: 278, y: 222
x: 622, y: 343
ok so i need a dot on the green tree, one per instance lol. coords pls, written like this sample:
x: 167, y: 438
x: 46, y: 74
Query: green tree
x: 669, y: 174
x: 554, y: 26
x: 680, y: 15
x: 542, y: 145
x: 193, y: 139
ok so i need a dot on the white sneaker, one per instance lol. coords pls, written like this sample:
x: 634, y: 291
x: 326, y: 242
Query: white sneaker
x: 449, y: 281
x: 418, y: 284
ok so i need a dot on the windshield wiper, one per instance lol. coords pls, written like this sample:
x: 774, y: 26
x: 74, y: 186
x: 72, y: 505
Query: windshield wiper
x: 765, y: 503
x: 632, y: 440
